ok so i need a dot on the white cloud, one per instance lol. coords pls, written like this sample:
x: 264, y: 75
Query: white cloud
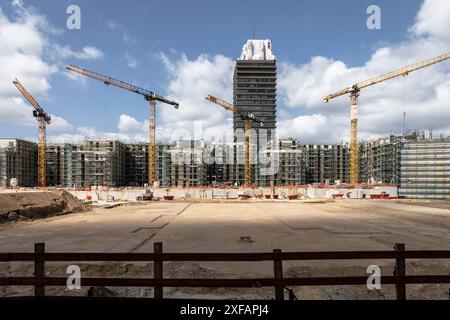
x: 131, y: 61
x: 129, y: 129
x: 301, y: 88
x: 87, y: 53
x: 29, y: 52
x: 433, y: 20
x: 307, y: 126
x: 22, y: 45
x: 128, y: 124
x: 126, y: 37
x: 59, y: 124
x: 129, y: 43
x: 189, y: 82
x: 15, y: 110
x: 83, y: 133
x: 422, y: 95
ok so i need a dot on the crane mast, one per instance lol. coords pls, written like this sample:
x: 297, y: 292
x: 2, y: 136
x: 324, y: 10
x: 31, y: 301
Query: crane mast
x: 43, y: 119
x: 248, y: 120
x: 354, y: 94
x: 150, y: 96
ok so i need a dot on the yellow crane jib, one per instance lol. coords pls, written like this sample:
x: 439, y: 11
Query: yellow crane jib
x: 150, y: 96
x: 248, y: 118
x: 43, y: 118
x: 354, y: 93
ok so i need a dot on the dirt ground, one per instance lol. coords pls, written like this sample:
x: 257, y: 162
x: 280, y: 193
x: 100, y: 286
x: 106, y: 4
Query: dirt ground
x: 218, y: 227
x: 34, y: 205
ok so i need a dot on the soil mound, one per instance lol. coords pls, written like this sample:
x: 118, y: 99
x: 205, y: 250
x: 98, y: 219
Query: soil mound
x: 35, y: 205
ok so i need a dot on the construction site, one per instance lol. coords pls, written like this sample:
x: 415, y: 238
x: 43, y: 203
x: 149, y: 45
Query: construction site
x: 257, y: 193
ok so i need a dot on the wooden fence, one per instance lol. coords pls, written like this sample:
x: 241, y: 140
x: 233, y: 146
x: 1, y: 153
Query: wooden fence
x: 278, y: 282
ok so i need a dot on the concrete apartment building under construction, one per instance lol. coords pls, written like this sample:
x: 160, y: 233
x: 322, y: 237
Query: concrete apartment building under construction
x: 95, y: 162
x: 18, y: 159
x: 380, y: 160
x: 425, y: 169
x: 288, y: 165
x: 326, y: 163
x: 418, y: 165
x: 187, y: 166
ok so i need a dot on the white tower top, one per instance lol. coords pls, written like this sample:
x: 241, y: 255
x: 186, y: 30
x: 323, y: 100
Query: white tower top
x: 257, y: 50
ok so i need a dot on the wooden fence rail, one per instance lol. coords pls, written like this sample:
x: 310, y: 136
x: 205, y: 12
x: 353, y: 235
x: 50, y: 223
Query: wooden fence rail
x: 278, y: 282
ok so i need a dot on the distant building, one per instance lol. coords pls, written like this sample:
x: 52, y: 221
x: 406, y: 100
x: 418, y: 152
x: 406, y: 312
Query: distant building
x: 187, y: 166
x: 419, y: 166
x: 18, y: 159
x: 163, y: 165
x: 380, y: 160
x: 136, y: 164
x: 93, y: 163
x: 425, y: 169
x: 287, y: 165
x: 219, y: 160
x: 326, y: 163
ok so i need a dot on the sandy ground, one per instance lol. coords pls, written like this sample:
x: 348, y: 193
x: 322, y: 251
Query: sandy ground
x: 214, y: 227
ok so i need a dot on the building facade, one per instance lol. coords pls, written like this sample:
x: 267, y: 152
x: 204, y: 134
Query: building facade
x: 425, y: 169
x: 18, y: 159
x: 93, y: 163
x: 327, y: 163
x: 420, y: 166
x: 136, y: 164
x: 254, y: 93
x: 380, y: 160
x: 287, y: 164
x: 187, y: 167
x: 255, y: 85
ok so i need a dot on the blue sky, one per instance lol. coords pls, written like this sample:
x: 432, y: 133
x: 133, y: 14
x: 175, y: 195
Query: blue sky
x: 149, y: 43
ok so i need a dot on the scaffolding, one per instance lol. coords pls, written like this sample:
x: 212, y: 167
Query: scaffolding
x: 425, y: 169
x: 18, y: 159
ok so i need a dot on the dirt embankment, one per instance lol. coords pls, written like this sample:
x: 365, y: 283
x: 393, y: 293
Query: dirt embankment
x: 35, y: 205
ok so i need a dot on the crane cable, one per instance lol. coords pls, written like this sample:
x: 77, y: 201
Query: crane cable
x: 106, y: 108
x: 404, y: 107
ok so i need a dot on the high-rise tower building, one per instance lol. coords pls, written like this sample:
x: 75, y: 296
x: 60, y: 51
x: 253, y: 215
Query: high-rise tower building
x: 255, y: 92
x: 255, y: 85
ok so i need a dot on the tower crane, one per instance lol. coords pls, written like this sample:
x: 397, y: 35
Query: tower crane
x: 151, y: 97
x: 43, y: 118
x: 354, y: 94
x: 248, y: 119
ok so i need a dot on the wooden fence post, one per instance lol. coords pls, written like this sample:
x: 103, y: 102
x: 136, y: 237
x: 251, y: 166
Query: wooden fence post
x: 278, y: 274
x: 158, y: 268
x: 400, y: 271
x: 39, y: 268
